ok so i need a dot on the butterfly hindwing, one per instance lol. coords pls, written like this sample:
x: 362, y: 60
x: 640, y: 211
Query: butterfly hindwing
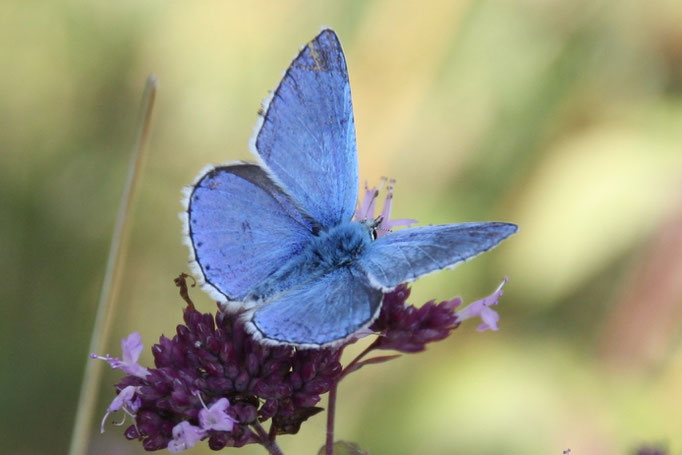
x: 325, y: 310
x: 407, y: 254
x: 307, y: 136
x: 242, y: 227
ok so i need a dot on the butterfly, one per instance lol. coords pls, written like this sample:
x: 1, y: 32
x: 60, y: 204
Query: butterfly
x: 276, y: 239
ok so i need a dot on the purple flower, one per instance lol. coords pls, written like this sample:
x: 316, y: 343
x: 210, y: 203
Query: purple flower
x: 216, y: 417
x: 185, y: 436
x: 125, y: 400
x: 131, y: 348
x: 365, y: 210
x: 481, y: 308
x: 407, y: 328
x: 212, y: 359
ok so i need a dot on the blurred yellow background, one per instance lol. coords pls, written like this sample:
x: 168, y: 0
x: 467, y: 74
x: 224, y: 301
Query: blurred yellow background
x: 564, y: 117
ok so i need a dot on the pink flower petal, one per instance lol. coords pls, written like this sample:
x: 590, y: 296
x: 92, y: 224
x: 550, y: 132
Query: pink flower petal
x: 481, y: 308
x: 215, y: 417
x: 125, y: 400
x: 185, y: 436
x: 132, y: 348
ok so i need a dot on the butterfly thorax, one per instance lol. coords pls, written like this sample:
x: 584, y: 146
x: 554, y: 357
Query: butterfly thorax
x: 330, y: 249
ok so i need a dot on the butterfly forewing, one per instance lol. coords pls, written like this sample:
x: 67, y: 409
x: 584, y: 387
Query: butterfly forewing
x: 242, y: 227
x: 307, y: 138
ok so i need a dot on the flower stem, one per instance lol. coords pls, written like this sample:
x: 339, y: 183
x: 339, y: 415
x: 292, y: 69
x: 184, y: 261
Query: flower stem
x: 331, y: 406
x: 272, y: 434
x: 331, y: 410
x: 349, y: 368
x: 265, y: 440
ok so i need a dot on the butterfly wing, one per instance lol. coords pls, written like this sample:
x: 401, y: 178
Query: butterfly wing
x: 407, y: 254
x: 241, y: 228
x: 322, y: 311
x: 307, y: 135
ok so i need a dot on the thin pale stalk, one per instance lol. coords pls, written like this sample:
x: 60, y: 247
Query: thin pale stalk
x: 111, y: 284
x: 265, y: 439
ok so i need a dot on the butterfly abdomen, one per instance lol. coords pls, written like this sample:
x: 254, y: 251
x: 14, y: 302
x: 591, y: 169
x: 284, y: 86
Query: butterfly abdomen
x: 331, y: 249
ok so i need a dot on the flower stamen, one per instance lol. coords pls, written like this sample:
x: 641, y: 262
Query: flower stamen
x: 383, y: 223
x: 126, y: 401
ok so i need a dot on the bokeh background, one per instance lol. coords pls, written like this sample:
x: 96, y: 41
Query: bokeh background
x: 562, y: 116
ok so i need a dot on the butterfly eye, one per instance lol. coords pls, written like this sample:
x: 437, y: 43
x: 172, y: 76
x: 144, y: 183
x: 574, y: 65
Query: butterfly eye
x: 373, y: 233
x: 374, y: 227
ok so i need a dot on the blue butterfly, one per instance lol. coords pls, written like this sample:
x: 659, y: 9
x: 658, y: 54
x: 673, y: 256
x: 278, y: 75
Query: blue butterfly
x: 277, y: 240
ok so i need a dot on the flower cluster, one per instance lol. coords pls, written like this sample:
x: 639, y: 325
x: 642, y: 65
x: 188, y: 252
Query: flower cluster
x: 213, y: 381
x: 407, y: 328
x: 212, y: 360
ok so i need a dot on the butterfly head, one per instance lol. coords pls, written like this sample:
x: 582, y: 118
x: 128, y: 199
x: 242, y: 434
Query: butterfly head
x: 373, y: 226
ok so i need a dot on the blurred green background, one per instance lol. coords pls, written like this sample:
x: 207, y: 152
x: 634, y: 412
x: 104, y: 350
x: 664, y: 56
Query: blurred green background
x: 562, y: 116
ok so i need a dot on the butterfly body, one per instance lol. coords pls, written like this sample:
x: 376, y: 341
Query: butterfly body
x: 276, y: 239
x: 327, y: 251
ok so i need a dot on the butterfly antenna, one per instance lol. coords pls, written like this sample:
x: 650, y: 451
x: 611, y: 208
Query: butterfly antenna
x: 111, y: 284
